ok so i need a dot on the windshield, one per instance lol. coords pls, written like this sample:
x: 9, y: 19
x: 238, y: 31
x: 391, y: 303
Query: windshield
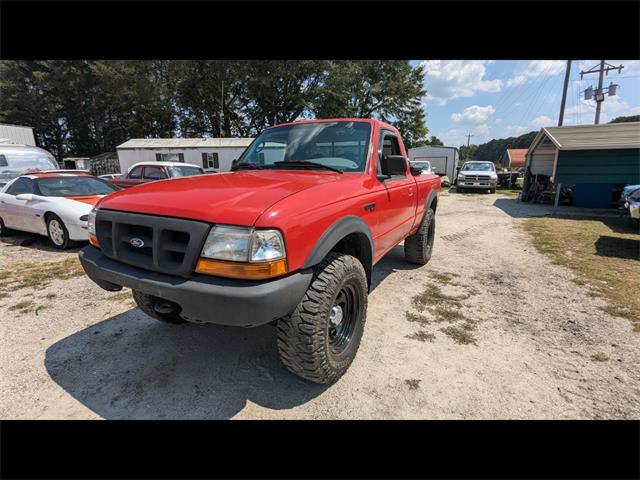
x: 72, y: 186
x: 14, y: 163
x: 339, y: 145
x: 184, y: 171
x: 478, y: 167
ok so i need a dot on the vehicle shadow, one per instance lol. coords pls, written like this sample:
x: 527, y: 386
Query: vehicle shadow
x: 31, y: 240
x: 133, y: 367
x: 392, y: 262
x: 626, y: 248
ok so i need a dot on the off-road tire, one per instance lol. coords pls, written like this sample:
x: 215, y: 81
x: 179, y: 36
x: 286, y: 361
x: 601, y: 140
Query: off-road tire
x: 4, y: 231
x: 492, y: 190
x: 459, y: 189
x: 303, y: 337
x: 418, y: 247
x: 147, y: 302
x: 66, y: 241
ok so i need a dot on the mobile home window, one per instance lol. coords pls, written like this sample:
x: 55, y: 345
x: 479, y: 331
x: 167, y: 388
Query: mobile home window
x: 210, y: 160
x: 170, y: 157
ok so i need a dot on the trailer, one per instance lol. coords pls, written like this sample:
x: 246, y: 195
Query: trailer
x: 444, y: 160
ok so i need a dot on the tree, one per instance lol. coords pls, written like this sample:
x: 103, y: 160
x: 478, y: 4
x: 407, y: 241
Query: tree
x: 632, y: 118
x: 388, y: 90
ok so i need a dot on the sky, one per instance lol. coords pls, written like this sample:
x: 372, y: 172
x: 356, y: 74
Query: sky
x: 504, y: 98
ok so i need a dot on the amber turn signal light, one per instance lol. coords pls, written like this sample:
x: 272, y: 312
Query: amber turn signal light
x: 93, y: 240
x: 242, y: 270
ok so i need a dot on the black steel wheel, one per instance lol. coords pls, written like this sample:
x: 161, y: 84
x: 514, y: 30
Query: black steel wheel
x: 320, y: 338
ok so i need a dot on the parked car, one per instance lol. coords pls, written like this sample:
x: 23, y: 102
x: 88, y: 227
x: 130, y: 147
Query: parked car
x: 477, y: 175
x: 632, y: 203
x: 56, y: 205
x: 628, y: 190
x: 144, y: 172
x: 290, y: 238
x: 18, y: 159
x: 425, y: 166
x: 110, y: 176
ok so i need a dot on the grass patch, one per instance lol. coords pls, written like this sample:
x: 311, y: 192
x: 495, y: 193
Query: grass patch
x: 443, y: 277
x: 416, y: 317
x: 413, y: 383
x: 422, y: 336
x: 433, y: 296
x: 40, y: 274
x: 459, y: 335
x: 603, y: 254
x: 22, y: 307
x: 512, y: 192
x: 599, y: 357
x: 636, y: 327
x: 444, y: 313
x: 3, y: 295
x: 50, y: 296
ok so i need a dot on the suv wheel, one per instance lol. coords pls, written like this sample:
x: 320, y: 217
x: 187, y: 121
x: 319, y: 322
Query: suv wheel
x: 320, y: 338
x: 418, y: 247
x: 157, y: 308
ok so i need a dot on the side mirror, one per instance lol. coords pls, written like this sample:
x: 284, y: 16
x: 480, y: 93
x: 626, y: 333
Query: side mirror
x: 25, y: 196
x: 415, y: 171
x: 393, y: 165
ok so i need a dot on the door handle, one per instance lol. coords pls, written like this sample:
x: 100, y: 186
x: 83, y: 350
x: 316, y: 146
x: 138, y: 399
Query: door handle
x: 370, y: 207
x: 411, y: 191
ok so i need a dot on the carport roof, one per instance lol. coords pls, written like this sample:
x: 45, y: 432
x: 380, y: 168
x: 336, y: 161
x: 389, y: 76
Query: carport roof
x: 185, y: 143
x: 593, y: 137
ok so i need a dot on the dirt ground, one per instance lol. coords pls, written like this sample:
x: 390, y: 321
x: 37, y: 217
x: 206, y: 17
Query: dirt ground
x: 488, y: 329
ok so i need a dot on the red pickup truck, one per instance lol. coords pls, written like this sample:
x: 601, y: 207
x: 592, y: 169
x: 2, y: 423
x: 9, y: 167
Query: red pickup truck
x: 145, y: 172
x: 289, y: 237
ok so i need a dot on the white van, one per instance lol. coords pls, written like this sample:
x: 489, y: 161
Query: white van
x: 17, y: 159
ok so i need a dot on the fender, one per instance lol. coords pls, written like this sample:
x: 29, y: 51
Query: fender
x: 336, y: 232
x: 431, y: 198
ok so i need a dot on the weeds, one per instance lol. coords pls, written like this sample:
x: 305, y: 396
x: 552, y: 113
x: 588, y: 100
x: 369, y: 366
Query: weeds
x: 461, y: 336
x: 599, y: 357
x: 22, y: 307
x: 422, y: 336
x: 413, y: 383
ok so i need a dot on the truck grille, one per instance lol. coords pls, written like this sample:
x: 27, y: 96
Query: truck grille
x: 161, y: 244
x: 476, y: 178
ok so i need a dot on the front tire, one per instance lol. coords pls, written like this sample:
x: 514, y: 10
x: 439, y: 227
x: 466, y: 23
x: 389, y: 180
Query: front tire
x: 320, y: 338
x: 148, y: 304
x: 418, y: 247
x: 58, y: 233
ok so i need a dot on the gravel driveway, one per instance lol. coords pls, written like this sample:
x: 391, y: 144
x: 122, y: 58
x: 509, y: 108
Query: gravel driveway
x: 488, y: 329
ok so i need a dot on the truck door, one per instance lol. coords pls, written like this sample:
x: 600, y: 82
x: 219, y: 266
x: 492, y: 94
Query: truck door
x: 397, y: 203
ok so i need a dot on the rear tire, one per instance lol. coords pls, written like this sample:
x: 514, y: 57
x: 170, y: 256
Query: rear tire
x: 147, y: 304
x: 492, y: 190
x: 320, y: 338
x: 418, y: 247
x: 58, y: 233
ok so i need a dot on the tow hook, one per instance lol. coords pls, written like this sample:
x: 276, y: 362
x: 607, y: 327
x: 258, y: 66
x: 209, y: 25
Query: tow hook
x: 165, y: 307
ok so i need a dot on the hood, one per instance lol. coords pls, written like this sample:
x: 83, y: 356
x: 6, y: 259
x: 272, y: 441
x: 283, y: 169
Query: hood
x: 236, y: 198
x: 88, y: 199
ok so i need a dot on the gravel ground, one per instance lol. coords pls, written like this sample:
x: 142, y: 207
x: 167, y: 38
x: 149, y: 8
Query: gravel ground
x: 488, y: 329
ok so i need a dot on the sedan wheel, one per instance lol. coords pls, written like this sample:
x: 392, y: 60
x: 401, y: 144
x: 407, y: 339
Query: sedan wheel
x: 57, y: 232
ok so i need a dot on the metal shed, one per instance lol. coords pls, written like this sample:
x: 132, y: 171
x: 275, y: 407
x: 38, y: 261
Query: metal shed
x: 596, y: 158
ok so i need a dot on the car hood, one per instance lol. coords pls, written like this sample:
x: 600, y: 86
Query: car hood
x: 236, y: 198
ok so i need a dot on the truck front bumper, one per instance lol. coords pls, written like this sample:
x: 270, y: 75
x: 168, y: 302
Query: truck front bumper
x: 203, y: 298
x: 483, y: 184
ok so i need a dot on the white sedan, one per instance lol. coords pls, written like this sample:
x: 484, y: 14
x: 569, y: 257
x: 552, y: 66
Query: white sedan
x: 56, y: 205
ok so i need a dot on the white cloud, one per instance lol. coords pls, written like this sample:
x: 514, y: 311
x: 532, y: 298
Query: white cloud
x: 481, y: 130
x: 516, y: 130
x: 449, y: 79
x: 474, y: 113
x: 542, y: 121
x: 535, y: 69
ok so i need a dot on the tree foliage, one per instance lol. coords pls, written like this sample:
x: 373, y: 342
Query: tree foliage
x: 630, y: 118
x: 493, y: 150
x: 80, y: 108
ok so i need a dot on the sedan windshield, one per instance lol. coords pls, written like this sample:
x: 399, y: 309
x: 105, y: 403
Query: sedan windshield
x: 184, y: 171
x: 317, y: 145
x: 73, y: 186
x: 478, y: 166
x: 422, y: 165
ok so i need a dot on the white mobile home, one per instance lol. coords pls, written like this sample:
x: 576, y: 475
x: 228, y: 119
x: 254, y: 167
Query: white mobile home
x: 444, y: 160
x: 209, y: 153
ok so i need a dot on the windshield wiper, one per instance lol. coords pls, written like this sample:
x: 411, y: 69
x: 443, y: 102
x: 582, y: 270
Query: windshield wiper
x: 248, y: 166
x: 306, y: 162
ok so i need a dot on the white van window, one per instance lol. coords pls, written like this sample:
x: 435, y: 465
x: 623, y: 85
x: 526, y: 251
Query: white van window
x: 17, y: 161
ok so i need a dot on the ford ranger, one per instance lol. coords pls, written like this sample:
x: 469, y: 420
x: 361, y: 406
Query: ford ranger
x: 290, y: 237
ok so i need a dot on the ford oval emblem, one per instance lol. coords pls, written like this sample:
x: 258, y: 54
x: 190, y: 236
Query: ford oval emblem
x: 137, y: 242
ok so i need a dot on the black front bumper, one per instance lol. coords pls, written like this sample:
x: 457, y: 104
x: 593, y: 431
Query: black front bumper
x: 203, y: 298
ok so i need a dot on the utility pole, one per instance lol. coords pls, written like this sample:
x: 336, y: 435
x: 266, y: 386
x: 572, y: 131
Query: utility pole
x: 601, y: 69
x: 468, y: 139
x: 564, y: 93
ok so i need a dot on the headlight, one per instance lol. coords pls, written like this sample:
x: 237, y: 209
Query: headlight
x: 241, y: 252
x: 460, y: 176
x: 91, y: 221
